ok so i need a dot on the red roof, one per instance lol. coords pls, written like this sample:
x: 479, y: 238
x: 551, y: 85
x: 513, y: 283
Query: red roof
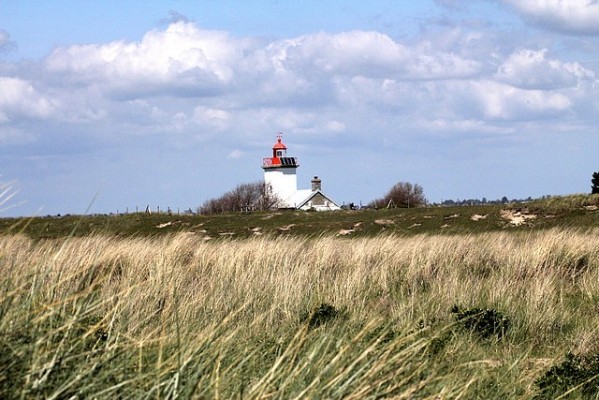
x: 279, y: 145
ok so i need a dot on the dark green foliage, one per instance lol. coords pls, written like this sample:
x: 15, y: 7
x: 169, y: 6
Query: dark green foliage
x: 485, y: 323
x: 13, y: 357
x: 595, y: 183
x: 580, y: 373
x: 320, y: 315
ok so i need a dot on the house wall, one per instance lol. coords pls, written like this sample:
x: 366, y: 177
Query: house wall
x: 319, y: 202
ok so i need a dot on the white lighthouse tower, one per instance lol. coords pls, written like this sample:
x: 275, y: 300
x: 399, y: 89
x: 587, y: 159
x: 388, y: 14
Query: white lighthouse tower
x: 280, y: 172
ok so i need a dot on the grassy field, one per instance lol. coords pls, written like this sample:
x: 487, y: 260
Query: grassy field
x: 579, y: 211
x: 425, y: 303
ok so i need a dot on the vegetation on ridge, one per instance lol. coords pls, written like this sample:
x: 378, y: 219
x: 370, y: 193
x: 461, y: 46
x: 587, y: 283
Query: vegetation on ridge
x: 577, y: 211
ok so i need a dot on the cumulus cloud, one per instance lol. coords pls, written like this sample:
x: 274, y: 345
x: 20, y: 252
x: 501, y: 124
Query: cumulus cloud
x: 18, y: 99
x: 347, y: 53
x: 201, y: 83
x: 531, y: 69
x: 372, y: 54
x: 212, y: 118
x: 572, y: 16
x: 503, y: 102
x: 181, y: 60
x: 185, y: 61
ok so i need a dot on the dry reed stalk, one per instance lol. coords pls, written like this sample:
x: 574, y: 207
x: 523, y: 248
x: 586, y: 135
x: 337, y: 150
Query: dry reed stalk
x: 284, y: 275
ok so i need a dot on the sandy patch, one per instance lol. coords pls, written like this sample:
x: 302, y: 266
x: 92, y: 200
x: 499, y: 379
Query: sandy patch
x: 478, y: 217
x: 384, y: 222
x: 160, y: 226
x: 286, y: 227
x: 516, y: 218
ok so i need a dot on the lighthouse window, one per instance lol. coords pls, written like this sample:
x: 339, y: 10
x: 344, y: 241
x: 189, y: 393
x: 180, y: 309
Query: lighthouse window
x: 280, y: 153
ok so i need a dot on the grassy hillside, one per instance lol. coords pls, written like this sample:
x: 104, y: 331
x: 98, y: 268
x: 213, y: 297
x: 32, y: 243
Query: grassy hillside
x: 571, y: 211
x: 472, y: 302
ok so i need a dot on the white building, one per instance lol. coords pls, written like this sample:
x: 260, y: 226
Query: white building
x: 280, y: 171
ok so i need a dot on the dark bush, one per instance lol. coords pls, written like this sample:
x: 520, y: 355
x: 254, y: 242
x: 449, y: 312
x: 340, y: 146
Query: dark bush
x: 14, y: 352
x: 245, y: 197
x: 402, y: 194
x: 485, y: 323
x: 580, y: 372
x: 320, y: 315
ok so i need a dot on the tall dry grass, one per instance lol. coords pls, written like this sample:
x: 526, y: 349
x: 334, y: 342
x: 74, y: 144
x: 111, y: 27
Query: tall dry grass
x: 181, y: 317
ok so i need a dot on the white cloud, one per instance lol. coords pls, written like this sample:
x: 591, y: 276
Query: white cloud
x: 18, y: 98
x: 211, y: 118
x: 347, y: 53
x: 371, y: 54
x: 573, y: 16
x: 182, y: 59
x: 530, y: 69
x: 504, y: 102
x: 197, y: 83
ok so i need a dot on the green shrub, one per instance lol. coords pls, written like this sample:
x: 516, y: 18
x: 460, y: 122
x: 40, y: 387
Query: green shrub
x: 577, y: 373
x: 320, y: 315
x: 485, y: 323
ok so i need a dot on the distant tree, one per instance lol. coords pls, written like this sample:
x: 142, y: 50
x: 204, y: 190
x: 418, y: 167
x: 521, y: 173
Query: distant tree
x: 595, y: 183
x: 246, y: 196
x: 402, y: 194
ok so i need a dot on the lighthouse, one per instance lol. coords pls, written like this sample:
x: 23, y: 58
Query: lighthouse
x: 280, y: 173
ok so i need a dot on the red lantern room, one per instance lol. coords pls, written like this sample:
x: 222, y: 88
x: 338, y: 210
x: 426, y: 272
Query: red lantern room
x: 279, y: 156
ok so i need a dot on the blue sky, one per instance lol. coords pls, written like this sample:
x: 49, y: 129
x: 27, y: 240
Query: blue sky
x: 117, y: 105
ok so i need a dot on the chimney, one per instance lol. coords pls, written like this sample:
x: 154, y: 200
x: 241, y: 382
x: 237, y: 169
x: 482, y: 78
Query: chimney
x: 315, y: 184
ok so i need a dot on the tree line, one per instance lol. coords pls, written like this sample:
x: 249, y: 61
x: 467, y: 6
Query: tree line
x: 244, y: 197
x: 259, y: 196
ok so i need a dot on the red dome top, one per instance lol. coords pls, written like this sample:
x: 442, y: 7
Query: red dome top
x: 279, y: 145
